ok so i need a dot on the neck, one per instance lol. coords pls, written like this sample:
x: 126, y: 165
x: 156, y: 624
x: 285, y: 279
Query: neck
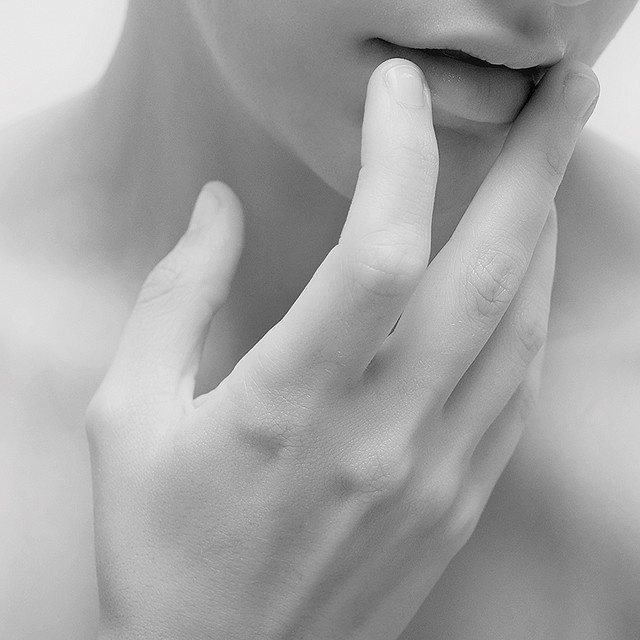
x: 174, y: 124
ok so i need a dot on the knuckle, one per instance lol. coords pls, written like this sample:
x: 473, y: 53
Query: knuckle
x: 416, y: 151
x: 108, y: 410
x: 93, y: 420
x: 269, y: 433
x: 434, y: 498
x: 271, y: 424
x: 493, y: 279
x: 525, y: 401
x: 389, y: 269
x: 381, y: 471
x: 271, y: 441
x: 551, y: 163
x: 530, y: 329
x: 174, y: 274
x: 463, y: 517
x: 99, y: 410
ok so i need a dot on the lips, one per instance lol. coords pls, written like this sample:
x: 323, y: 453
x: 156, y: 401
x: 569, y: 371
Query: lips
x: 461, y: 55
x: 535, y: 73
x: 466, y: 88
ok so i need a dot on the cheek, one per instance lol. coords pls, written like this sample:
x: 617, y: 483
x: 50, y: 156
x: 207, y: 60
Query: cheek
x: 262, y: 51
x: 300, y: 75
x: 597, y: 24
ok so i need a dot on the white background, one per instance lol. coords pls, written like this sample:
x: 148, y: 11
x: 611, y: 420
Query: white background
x: 50, y: 49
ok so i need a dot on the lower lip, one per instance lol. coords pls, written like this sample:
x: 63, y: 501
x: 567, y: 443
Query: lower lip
x: 464, y: 91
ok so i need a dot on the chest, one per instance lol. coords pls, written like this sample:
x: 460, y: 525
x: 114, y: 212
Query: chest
x: 54, y: 340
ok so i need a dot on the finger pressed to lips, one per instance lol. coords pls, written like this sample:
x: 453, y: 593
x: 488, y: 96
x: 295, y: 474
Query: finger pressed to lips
x: 355, y: 297
x: 472, y: 281
x: 345, y: 314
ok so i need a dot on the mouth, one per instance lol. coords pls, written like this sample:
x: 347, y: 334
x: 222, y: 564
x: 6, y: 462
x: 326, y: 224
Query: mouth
x: 470, y: 88
x: 534, y: 73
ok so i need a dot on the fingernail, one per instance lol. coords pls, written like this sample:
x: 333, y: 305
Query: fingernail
x: 406, y: 85
x: 580, y: 94
x: 207, y: 204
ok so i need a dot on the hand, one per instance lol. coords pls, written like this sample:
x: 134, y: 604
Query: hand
x: 322, y: 488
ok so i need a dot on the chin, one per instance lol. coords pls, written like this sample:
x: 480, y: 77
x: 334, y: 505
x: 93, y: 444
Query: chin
x: 339, y: 165
x: 467, y: 149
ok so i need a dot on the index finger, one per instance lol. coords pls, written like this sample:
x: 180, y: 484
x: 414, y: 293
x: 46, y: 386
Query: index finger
x: 470, y: 284
x: 355, y: 297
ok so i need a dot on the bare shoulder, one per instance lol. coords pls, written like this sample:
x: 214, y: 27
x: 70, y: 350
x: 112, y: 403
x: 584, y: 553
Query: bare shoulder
x: 46, y: 163
x: 58, y: 322
x: 55, y: 290
x: 608, y: 164
x: 598, y: 271
x: 597, y: 287
x: 595, y: 324
x: 594, y: 348
x: 586, y: 437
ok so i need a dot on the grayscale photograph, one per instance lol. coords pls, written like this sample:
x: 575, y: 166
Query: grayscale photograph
x: 320, y: 320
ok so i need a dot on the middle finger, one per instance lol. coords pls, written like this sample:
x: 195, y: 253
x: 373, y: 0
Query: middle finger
x: 471, y: 282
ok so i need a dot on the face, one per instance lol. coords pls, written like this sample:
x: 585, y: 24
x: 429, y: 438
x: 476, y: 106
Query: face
x: 302, y: 66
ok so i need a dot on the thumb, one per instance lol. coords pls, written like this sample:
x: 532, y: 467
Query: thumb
x: 162, y: 343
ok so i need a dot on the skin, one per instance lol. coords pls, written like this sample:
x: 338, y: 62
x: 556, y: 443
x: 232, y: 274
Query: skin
x: 316, y: 163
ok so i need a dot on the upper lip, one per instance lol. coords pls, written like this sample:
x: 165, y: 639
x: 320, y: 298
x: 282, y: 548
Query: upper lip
x: 498, y: 51
x: 466, y: 57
